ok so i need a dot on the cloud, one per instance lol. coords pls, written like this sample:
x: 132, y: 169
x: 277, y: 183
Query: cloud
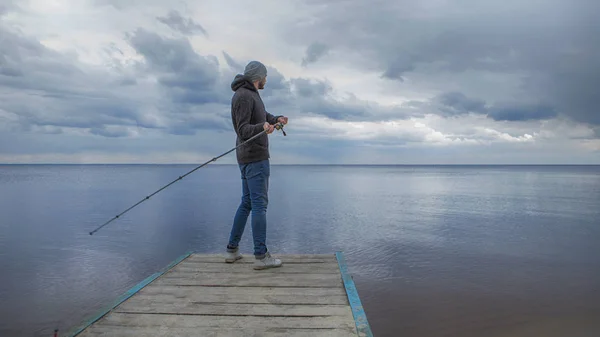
x: 426, y: 134
x: 188, y: 80
x: 456, y: 103
x: 7, y: 6
x: 108, y: 131
x: 231, y: 62
x: 51, y: 89
x: 4, y: 8
x: 178, y: 23
x: 314, y: 52
x: 521, y: 113
x: 174, y: 60
x: 405, y: 82
x: 311, y: 88
x: 553, y: 55
x: 318, y: 97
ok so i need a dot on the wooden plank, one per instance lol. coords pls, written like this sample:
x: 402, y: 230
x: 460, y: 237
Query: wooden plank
x: 253, y: 280
x: 362, y: 325
x: 299, y: 268
x: 127, y: 320
x: 104, y: 331
x: 248, y: 258
x: 252, y: 275
x: 179, y: 291
x: 184, y: 307
x: 248, y: 298
x: 248, y: 283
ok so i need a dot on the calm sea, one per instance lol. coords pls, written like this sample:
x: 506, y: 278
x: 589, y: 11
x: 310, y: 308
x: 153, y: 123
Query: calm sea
x: 434, y: 250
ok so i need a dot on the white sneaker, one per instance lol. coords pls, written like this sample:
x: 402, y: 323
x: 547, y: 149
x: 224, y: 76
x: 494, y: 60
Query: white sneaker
x: 232, y: 257
x: 267, y: 262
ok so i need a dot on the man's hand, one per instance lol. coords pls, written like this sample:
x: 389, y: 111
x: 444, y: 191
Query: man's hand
x: 268, y: 127
x: 282, y: 120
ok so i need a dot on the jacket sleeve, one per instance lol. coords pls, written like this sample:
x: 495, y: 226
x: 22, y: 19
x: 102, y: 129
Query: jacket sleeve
x: 242, y: 113
x: 272, y: 119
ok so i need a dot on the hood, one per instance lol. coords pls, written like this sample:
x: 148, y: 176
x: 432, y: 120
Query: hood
x: 240, y: 81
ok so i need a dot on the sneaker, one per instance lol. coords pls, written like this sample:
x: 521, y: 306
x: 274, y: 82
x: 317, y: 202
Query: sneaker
x: 232, y: 257
x: 267, y: 262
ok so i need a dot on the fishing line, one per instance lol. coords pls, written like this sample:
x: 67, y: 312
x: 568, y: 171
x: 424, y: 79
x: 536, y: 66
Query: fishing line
x: 278, y: 126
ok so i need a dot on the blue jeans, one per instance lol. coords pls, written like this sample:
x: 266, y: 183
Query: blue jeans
x: 255, y: 186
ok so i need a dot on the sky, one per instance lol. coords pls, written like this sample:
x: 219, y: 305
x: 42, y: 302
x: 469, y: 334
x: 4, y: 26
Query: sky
x: 362, y: 82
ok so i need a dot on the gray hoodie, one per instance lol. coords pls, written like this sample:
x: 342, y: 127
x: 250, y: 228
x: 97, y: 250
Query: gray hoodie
x: 248, y: 115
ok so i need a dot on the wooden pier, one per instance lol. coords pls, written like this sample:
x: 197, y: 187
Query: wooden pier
x: 201, y: 295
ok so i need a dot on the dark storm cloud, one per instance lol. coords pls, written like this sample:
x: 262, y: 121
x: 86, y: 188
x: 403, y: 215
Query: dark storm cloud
x: 186, y: 26
x: 314, y: 52
x: 521, y: 112
x: 311, y: 88
x: 187, y: 77
x: 233, y: 64
x: 552, y: 46
x: 456, y: 103
x: 276, y: 80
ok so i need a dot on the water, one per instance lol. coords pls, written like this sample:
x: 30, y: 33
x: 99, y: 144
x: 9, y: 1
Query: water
x: 434, y: 250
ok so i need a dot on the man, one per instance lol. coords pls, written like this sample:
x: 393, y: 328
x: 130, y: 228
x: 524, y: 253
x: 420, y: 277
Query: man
x: 249, y: 118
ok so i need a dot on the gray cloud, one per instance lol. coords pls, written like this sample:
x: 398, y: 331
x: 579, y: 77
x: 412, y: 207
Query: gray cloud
x: 8, y: 6
x: 200, y: 121
x: 315, y: 97
x: 233, y: 64
x: 456, y: 103
x: 552, y: 47
x: 46, y: 91
x: 307, y: 88
x: 178, y: 23
x: 43, y: 87
x: 314, y: 52
x: 312, y: 97
x: 188, y: 78
x: 522, y: 62
x: 276, y: 80
x: 4, y: 8
x: 516, y: 112
x: 112, y: 133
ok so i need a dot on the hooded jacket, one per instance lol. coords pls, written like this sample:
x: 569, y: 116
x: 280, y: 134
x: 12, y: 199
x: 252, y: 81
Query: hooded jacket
x: 248, y: 114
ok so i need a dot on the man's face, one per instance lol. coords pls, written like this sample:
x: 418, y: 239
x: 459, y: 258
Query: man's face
x: 261, y: 84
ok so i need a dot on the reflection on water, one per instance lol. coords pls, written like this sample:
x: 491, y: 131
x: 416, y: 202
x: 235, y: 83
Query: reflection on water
x: 434, y: 251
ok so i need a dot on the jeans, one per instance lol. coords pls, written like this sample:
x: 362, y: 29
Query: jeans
x: 255, y: 186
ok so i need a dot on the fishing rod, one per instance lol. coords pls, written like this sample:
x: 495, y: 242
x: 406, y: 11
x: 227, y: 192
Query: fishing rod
x: 278, y: 126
